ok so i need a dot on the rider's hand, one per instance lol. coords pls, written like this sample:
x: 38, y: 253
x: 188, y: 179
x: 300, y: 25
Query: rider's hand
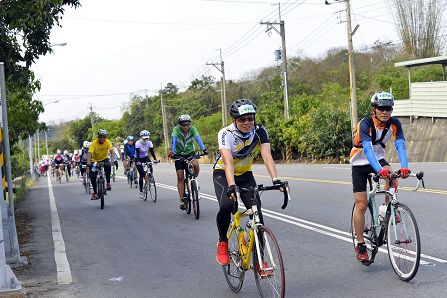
x: 171, y: 155
x: 384, y: 173
x: 404, y: 172
x: 138, y: 163
x: 277, y: 181
x: 157, y: 161
x: 205, y: 151
x: 231, y: 192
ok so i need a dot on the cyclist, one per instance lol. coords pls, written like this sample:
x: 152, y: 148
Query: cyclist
x: 183, y: 136
x: 238, y: 144
x: 117, y: 156
x: 58, y: 161
x: 129, y: 153
x: 84, y: 156
x: 98, y: 152
x: 368, y: 156
x: 142, y: 148
x: 67, y: 162
x: 76, y: 158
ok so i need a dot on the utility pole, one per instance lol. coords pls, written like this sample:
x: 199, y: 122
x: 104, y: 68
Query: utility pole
x: 223, y: 95
x: 165, y: 123
x: 352, y: 81
x: 38, y: 145
x: 30, y: 145
x: 91, y: 120
x: 282, y: 33
x: 46, y: 141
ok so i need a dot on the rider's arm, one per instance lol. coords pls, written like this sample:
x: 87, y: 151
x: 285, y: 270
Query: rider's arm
x: 227, y: 158
x: 174, y: 143
x: 89, y: 158
x: 199, y: 142
x: 399, y: 143
x: 137, y: 154
x: 268, y: 160
x: 371, y: 156
x: 152, y: 153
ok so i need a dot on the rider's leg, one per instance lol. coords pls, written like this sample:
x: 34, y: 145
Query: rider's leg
x: 141, y: 176
x: 180, y: 186
x: 361, y: 202
x: 195, y: 163
x: 226, y: 205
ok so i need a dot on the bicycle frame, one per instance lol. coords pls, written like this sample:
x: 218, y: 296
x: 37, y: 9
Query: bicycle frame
x: 390, y: 213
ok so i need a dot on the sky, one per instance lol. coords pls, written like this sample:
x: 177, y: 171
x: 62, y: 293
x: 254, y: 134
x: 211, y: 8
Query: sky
x: 119, y: 48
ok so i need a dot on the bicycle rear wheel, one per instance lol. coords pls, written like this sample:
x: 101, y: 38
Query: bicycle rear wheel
x: 369, y: 235
x: 404, y: 244
x: 270, y: 280
x: 152, y: 188
x: 195, y: 198
x: 234, y: 274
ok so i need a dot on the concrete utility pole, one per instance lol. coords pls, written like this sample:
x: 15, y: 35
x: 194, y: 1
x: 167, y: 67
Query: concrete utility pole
x: 91, y: 120
x: 10, y: 220
x: 30, y: 145
x: 38, y: 145
x: 352, y: 81
x: 46, y: 141
x: 282, y: 33
x: 223, y: 94
x: 165, y: 122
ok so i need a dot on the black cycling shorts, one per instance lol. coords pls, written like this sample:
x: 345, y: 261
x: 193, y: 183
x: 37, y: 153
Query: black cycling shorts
x: 181, y: 164
x: 360, y: 175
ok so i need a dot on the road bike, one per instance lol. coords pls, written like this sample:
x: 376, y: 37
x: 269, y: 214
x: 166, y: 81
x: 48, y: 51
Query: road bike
x: 58, y: 173
x: 100, y: 181
x: 255, y: 240
x: 86, y: 180
x: 190, y: 184
x: 149, y: 186
x: 77, y: 170
x: 398, y: 228
x: 132, y: 178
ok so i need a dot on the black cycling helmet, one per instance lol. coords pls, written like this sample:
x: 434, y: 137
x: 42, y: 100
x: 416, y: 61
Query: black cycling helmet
x: 382, y: 99
x: 241, y: 107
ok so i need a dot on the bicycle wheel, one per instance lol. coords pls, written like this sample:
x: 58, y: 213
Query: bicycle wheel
x: 131, y: 178
x: 404, y: 244
x: 66, y: 175
x: 369, y: 235
x: 84, y: 181
x: 195, y: 198
x: 152, y: 188
x: 270, y: 280
x: 113, y: 174
x: 234, y: 274
x: 187, y: 198
x: 101, y: 192
x: 89, y: 185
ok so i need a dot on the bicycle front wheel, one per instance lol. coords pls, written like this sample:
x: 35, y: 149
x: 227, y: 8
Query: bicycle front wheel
x: 152, y: 188
x: 66, y: 175
x: 404, y: 244
x: 369, y: 235
x: 187, y: 198
x: 270, y: 277
x: 195, y: 198
x: 234, y: 274
x: 145, y: 190
x: 101, y: 190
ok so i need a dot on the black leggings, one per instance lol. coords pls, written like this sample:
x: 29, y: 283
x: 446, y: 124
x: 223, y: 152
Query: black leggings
x: 93, y: 174
x: 226, y: 204
x: 141, y: 171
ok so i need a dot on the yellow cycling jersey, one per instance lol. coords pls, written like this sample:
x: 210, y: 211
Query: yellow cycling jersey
x: 243, y: 147
x: 100, y: 151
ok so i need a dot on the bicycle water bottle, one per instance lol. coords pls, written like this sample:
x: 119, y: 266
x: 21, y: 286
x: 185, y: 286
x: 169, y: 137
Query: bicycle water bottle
x: 382, y: 212
x: 94, y: 169
x: 241, y: 240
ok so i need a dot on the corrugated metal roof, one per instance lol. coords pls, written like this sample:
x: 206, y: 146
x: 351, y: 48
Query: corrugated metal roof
x: 420, y: 62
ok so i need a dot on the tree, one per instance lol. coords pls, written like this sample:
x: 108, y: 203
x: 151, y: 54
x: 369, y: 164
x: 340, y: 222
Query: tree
x: 420, y: 26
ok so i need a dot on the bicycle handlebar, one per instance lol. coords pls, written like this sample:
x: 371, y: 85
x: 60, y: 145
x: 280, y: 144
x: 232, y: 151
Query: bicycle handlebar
x: 396, y: 175
x: 189, y: 158
x: 261, y: 187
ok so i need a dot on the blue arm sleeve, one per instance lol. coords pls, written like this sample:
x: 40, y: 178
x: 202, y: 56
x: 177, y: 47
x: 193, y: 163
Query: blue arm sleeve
x: 400, y: 147
x: 174, y: 143
x: 369, y: 152
x: 199, y: 142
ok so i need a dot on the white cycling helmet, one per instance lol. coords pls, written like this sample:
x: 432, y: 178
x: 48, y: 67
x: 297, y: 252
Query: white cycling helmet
x: 58, y: 151
x: 86, y: 144
x: 75, y: 152
x: 145, y: 134
x: 65, y: 152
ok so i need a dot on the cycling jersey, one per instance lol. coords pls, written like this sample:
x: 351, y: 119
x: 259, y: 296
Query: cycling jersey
x: 58, y: 159
x: 143, y: 148
x: 76, y: 158
x: 116, y: 154
x: 367, y: 151
x: 243, y: 147
x: 84, y: 154
x: 99, y: 151
x: 184, y: 145
x: 129, y: 150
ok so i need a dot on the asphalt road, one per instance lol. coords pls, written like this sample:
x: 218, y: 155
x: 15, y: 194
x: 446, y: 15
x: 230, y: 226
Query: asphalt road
x: 134, y: 248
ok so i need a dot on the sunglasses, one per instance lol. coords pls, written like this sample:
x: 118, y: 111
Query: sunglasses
x: 245, y: 119
x: 383, y: 109
x: 185, y: 124
x: 102, y: 137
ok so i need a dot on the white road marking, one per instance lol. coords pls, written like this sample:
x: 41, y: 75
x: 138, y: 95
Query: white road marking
x: 322, y: 229
x: 117, y: 278
x: 62, y: 265
x: 337, y: 168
